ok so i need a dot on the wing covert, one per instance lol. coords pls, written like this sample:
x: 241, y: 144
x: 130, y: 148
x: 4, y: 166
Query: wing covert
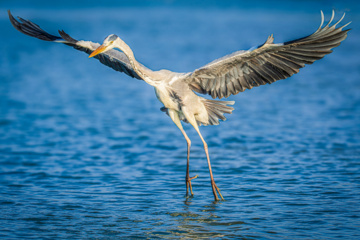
x: 266, y: 64
x: 115, y: 59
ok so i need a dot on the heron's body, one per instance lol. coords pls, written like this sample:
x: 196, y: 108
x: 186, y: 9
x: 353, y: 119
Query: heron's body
x: 176, y: 95
x: 221, y: 78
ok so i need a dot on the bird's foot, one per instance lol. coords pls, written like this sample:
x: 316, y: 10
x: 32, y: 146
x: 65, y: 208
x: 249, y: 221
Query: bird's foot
x: 188, y: 185
x: 216, y: 189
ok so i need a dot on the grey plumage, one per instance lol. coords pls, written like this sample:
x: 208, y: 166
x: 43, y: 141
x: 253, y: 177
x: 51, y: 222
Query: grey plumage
x: 223, y: 77
x: 266, y: 64
x: 114, y: 59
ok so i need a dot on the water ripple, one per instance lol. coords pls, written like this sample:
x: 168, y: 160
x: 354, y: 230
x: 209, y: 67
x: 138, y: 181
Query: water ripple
x: 90, y: 157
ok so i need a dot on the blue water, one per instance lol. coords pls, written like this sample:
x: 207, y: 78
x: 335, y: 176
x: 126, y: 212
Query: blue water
x: 85, y: 152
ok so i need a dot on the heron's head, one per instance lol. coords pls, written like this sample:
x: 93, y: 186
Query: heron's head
x: 110, y: 42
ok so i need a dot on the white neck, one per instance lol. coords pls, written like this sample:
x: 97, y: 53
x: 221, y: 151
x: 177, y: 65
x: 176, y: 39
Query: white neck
x: 138, y: 68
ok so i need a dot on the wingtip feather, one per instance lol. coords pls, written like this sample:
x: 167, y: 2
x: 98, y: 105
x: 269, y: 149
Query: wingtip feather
x: 331, y: 19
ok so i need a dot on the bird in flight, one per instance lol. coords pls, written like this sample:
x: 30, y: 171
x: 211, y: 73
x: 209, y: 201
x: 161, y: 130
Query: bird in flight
x: 221, y: 78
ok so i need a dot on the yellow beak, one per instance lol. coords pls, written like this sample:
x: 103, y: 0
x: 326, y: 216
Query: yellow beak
x: 97, y: 51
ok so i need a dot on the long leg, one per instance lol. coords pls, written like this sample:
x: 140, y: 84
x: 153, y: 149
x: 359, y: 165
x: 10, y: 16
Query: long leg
x: 193, y: 122
x: 175, y: 117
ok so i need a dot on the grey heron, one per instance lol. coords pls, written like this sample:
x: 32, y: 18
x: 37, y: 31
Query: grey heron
x: 229, y: 75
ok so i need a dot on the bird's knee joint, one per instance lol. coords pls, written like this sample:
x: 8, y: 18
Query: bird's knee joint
x: 205, y: 146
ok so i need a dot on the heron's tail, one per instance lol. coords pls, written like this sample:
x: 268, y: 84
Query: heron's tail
x: 216, y: 110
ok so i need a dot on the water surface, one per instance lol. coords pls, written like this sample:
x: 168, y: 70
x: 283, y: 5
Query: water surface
x: 86, y: 153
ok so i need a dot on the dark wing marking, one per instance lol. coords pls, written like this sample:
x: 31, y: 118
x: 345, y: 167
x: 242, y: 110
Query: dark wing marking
x: 176, y: 98
x: 268, y: 63
x: 115, y: 59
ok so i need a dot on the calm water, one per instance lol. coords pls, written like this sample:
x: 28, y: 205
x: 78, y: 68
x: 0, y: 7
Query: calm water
x: 85, y: 152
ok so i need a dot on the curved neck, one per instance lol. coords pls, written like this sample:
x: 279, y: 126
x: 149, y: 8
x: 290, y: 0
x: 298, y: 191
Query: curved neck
x: 130, y: 55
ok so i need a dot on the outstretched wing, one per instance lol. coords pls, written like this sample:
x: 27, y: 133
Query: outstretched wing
x: 268, y: 63
x: 115, y: 59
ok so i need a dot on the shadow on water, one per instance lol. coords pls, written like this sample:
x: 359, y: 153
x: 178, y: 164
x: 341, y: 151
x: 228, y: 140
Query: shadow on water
x: 203, y: 222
